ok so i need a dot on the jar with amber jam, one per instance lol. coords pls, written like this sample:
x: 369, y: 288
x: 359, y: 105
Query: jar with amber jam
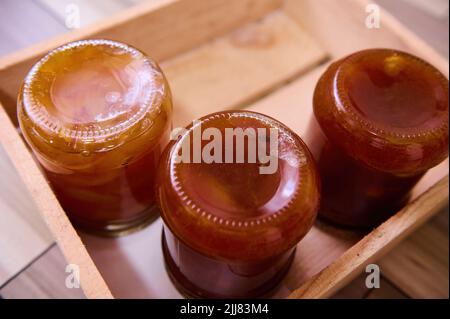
x: 97, y: 115
x: 381, y: 121
x: 232, y: 218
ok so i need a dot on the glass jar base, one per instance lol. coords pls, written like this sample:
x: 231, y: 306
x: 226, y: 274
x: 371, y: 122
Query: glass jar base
x: 121, y: 227
x: 191, y: 291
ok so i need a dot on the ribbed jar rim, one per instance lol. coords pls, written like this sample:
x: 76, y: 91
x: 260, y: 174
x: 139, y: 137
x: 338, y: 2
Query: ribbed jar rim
x: 403, y: 151
x: 90, y: 133
x: 295, y: 217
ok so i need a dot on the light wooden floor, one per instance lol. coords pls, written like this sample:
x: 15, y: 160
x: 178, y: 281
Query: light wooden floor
x: 31, y: 265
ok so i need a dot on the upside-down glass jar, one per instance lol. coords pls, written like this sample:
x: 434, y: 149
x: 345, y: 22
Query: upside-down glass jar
x: 232, y: 217
x: 381, y: 121
x: 97, y: 115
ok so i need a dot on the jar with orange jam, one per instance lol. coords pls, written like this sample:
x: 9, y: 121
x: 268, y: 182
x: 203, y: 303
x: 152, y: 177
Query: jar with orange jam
x: 97, y: 115
x: 232, y: 219
x: 381, y: 121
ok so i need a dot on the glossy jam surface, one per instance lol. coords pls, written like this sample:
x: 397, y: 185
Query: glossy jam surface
x: 230, y: 231
x: 97, y: 115
x: 395, y: 91
x: 381, y: 121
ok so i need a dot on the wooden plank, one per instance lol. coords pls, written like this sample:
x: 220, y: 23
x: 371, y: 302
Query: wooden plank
x: 44, y: 278
x: 321, y: 246
x: 435, y: 8
x: 47, y: 204
x: 292, y: 104
x: 89, y: 11
x: 427, y: 19
x: 147, y: 27
x: 386, y: 291
x: 356, y: 289
x: 340, y: 27
x: 18, y: 21
x: 419, y: 265
x: 376, y: 244
x: 416, y: 268
x: 297, y: 118
x: 240, y: 67
x: 196, y: 25
x: 24, y: 234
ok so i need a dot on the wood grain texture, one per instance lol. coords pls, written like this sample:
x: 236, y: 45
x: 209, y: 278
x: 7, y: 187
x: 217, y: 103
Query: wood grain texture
x: 386, y: 291
x: 23, y: 233
x: 47, y: 204
x: 18, y: 21
x: 428, y: 19
x: 161, y: 28
x: 416, y: 268
x: 290, y: 103
x: 148, y: 19
x: 420, y: 264
x: 236, y: 69
x: 375, y: 244
x: 89, y: 11
x: 340, y: 27
x: 356, y: 289
x: 44, y: 278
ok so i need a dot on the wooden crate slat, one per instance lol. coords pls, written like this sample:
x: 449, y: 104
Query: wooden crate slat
x: 161, y: 28
x: 340, y: 27
x: 167, y: 30
x: 376, y: 244
x: 292, y: 104
x: 24, y: 234
x: 43, y: 279
x: 73, y: 249
x: 240, y: 67
x: 421, y: 261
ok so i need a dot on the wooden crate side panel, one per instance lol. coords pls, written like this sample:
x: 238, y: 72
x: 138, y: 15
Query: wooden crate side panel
x: 376, y: 244
x: 91, y: 282
x: 241, y: 67
x: 340, y: 26
x: 162, y: 28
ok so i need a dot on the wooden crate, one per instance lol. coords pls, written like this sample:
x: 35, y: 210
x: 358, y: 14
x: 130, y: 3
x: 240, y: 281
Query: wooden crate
x: 262, y: 55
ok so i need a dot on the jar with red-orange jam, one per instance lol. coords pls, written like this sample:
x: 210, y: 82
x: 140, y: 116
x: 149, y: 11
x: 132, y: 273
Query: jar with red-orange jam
x: 231, y: 227
x: 381, y: 121
x: 97, y: 115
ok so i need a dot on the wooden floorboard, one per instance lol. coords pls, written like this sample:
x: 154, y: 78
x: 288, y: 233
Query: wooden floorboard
x: 418, y: 267
x: 23, y: 233
x: 44, y: 278
x: 420, y: 264
x: 23, y: 23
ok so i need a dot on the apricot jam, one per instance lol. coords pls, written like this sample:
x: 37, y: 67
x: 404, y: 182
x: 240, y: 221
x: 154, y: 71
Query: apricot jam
x: 97, y: 115
x: 230, y: 227
x: 381, y: 121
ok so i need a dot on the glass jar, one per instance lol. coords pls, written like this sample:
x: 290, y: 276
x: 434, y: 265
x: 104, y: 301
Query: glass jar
x: 97, y: 115
x: 231, y: 227
x: 381, y: 121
